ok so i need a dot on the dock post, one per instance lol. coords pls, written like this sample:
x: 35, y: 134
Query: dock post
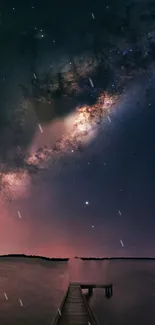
x: 108, y: 292
x: 90, y: 291
x: 111, y: 290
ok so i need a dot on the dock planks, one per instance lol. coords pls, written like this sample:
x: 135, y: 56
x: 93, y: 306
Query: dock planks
x: 74, y: 309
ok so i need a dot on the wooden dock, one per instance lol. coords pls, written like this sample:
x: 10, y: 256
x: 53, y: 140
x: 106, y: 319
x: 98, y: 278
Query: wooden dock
x: 74, y: 309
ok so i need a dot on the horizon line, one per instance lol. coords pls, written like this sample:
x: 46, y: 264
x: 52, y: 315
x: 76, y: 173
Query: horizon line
x: 78, y: 257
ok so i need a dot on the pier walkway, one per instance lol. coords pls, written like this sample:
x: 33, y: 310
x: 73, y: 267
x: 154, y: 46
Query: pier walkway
x: 74, y: 309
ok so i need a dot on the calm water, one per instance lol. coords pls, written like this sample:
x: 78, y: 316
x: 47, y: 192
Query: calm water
x: 41, y: 286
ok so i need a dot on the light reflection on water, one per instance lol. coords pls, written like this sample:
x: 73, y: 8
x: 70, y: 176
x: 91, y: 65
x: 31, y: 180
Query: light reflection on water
x: 41, y: 286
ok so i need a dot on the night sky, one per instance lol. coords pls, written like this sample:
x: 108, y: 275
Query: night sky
x: 77, y: 128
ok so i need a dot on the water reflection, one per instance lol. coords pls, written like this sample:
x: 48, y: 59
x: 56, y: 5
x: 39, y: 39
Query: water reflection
x: 41, y: 286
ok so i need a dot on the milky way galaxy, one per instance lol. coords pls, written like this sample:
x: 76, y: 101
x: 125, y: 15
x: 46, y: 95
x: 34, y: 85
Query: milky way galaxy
x: 77, y: 129
x: 83, y: 126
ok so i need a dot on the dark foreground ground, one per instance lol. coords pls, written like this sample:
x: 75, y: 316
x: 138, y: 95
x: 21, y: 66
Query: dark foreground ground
x: 40, y: 285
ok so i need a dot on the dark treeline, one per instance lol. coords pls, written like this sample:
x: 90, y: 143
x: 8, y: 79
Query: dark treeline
x: 35, y: 256
x: 115, y: 258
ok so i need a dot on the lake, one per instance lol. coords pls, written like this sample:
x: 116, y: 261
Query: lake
x: 40, y: 286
